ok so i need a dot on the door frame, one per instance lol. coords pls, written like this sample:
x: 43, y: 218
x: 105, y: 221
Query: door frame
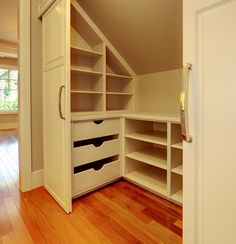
x: 24, y: 90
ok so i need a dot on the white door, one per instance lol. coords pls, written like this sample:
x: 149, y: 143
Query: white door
x: 210, y: 161
x: 56, y: 85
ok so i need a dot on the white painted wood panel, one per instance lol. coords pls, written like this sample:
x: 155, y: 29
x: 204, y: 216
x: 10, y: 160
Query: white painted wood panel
x: 55, y: 161
x: 57, y: 142
x: 209, y: 162
x: 53, y: 33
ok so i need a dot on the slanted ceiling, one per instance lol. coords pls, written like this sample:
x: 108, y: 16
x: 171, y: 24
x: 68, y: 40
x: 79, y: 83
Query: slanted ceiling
x: 147, y: 33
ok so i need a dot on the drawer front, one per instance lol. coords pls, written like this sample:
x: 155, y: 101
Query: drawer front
x: 89, y: 179
x: 90, y: 153
x: 91, y: 129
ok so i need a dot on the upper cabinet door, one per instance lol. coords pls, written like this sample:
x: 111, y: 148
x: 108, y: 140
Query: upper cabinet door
x: 54, y: 34
x: 209, y: 161
x: 56, y: 99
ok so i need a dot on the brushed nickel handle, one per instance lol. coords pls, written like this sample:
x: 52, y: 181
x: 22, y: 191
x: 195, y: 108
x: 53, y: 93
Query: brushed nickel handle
x: 184, y: 103
x: 59, y: 103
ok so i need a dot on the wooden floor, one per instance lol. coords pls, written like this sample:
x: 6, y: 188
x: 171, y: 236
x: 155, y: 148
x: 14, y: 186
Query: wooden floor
x: 120, y: 213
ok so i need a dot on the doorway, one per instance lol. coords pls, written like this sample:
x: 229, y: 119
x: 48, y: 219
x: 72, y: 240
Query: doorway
x: 9, y: 163
x: 15, y: 115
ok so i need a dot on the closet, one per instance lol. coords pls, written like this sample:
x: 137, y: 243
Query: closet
x: 93, y: 134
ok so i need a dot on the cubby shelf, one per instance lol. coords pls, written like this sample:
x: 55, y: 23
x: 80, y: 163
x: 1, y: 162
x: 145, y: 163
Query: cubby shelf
x: 116, y: 76
x: 153, y: 156
x: 178, y: 170
x: 84, y: 52
x: 85, y: 72
x: 149, y: 179
x: 157, y: 137
x: 178, y: 196
x: 178, y: 145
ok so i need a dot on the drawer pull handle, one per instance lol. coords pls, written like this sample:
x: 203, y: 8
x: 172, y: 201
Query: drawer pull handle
x: 97, y: 122
x: 98, y: 143
x: 98, y: 166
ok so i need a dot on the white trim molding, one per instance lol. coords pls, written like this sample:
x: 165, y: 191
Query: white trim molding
x: 24, y: 96
x: 37, y: 178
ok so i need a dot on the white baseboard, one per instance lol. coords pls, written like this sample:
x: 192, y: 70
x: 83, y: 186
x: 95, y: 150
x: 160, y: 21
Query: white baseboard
x: 37, y: 178
x: 6, y: 126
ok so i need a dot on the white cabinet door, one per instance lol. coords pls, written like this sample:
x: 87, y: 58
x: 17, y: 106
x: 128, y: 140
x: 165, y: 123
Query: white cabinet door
x: 56, y: 85
x: 210, y: 161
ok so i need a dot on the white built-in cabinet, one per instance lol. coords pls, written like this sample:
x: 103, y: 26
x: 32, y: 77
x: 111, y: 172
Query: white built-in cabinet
x: 92, y: 135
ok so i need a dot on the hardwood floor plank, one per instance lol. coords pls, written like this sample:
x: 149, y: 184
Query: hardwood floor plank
x: 9, y: 239
x: 19, y: 227
x: 155, y: 202
x: 164, y: 233
x: 126, y: 202
x: 178, y: 223
x: 5, y: 222
x: 100, y: 217
x: 135, y: 221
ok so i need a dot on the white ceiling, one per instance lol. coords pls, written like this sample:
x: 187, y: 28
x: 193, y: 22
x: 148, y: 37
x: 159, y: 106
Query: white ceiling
x: 8, y: 20
x: 147, y: 33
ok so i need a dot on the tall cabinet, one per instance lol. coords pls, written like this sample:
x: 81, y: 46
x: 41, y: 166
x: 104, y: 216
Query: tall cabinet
x: 92, y: 134
x: 56, y: 103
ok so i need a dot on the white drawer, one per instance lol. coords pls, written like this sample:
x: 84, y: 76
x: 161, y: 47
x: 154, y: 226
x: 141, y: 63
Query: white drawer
x: 91, y: 129
x: 90, y: 153
x: 90, y: 179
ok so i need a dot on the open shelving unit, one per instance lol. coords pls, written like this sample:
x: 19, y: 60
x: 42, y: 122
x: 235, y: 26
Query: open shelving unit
x: 99, y: 82
x: 151, y: 158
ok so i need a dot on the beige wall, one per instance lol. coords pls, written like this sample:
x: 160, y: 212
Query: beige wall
x: 36, y: 89
x: 159, y: 92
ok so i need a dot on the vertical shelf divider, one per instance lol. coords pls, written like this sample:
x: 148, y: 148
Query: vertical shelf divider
x: 168, y: 159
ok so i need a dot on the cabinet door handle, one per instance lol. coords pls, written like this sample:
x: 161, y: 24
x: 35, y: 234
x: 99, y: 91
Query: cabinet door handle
x: 184, y: 102
x: 59, y: 102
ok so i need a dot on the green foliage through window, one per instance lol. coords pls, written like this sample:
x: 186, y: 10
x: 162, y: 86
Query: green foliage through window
x: 8, y: 89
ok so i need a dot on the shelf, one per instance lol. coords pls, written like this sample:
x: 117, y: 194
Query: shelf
x: 152, y: 156
x: 85, y: 72
x: 119, y: 93
x: 178, y: 170
x: 178, y: 145
x: 84, y: 52
x: 86, y: 102
x: 149, y: 179
x: 157, y: 137
x: 86, y: 92
x: 116, y: 76
x: 178, y: 196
